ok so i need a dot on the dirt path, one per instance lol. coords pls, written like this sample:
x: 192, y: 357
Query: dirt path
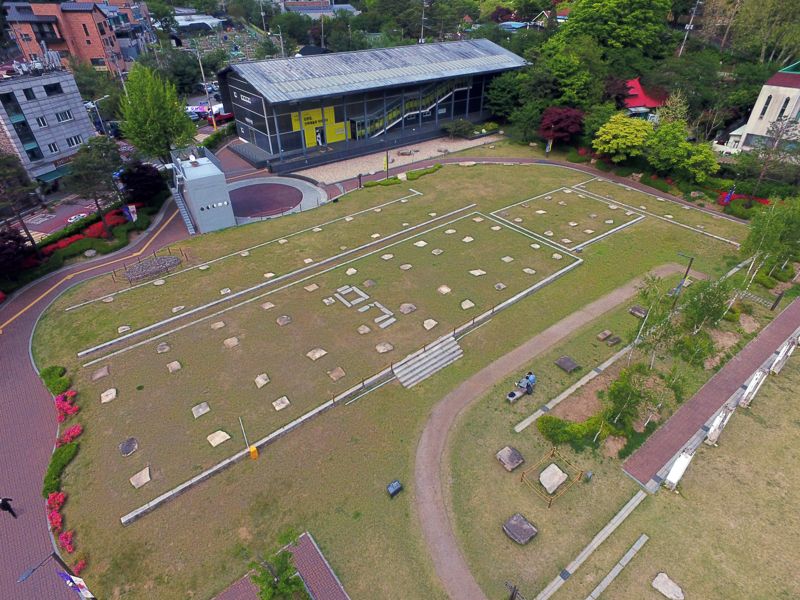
x: 431, y: 474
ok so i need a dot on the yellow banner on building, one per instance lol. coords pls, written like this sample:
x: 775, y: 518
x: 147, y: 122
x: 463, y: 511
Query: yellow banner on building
x: 318, y: 131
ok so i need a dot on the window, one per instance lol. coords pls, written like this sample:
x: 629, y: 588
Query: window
x: 26, y: 37
x: 766, y: 106
x: 52, y: 148
x: 101, y: 29
x: 34, y: 153
x: 75, y: 140
x: 88, y: 42
x: 784, y: 106
x: 52, y: 89
x: 41, y: 121
x: 98, y: 62
x: 63, y: 116
x: 29, y: 95
x: 85, y: 29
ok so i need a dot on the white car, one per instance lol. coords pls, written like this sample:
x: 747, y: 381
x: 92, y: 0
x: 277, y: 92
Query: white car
x: 77, y: 217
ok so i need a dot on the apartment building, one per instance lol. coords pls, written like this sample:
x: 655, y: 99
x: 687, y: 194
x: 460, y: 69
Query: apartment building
x: 106, y: 35
x: 43, y: 121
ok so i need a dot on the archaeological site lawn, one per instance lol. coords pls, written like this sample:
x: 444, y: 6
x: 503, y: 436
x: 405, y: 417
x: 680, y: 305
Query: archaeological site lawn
x: 327, y: 476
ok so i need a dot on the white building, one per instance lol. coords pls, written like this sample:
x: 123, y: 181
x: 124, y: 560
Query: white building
x: 779, y: 98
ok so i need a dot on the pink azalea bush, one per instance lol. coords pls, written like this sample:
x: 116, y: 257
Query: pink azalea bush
x: 56, y: 500
x: 65, y: 405
x: 55, y: 519
x: 69, y: 435
x: 66, y: 542
x: 79, y: 566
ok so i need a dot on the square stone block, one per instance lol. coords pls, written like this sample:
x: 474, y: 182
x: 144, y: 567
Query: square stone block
x: 217, y: 325
x: 108, y: 395
x: 313, y: 287
x: 100, y: 373
x: 225, y: 291
x: 261, y: 380
x: 162, y: 348
x: 283, y: 320
x: 267, y: 305
x: 281, y: 403
x: 568, y: 364
x: 420, y: 243
x: 140, y: 478
x: 174, y: 366
x: 467, y: 304
x: 123, y: 329
x: 437, y: 251
x: 552, y: 478
x: 387, y: 256
x: 507, y: 259
x: 198, y: 410
x: 217, y: 438
x: 443, y: 289
x: 429, y: 324
x: 510, y: 458
x: 336, y: 374
x: 231, y: 342
x: 362, y: 329
x: 351, y: 271
x: 467, y: 239
x: 519, y: 529
x: 316, y: 353
x: 604, y: 335
x: 406, y: 267
x: 328, y: 301
x: 384, y: 347
x: 477, y: 272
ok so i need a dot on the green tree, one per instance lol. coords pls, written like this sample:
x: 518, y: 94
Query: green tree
x: 13, y: 250
x: 214, y: 61
x: 595, y: 118
x: 774, y: 236
x: 294, y: 26
x: 503, y: 95
x: 622, y: 137
x: 777, y: 155
x: 250, y: 11
x: 163, y: 14
x: 667, y: 148
x: 526, y: 119
x: 92, y: 176
x: 94, y: 84
x: 769, y: 27
x: 704, y: 304
x: 658, y: 331
x: 15, y: 190
x: 266, y: 48
x: 619, y: 23
x: 153, y: 118
x: 701, y: 162
x: 675, y: 109
x: 275, y: 575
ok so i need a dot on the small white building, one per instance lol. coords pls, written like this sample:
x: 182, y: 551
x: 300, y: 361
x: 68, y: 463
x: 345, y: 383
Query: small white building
x: 779, y: 98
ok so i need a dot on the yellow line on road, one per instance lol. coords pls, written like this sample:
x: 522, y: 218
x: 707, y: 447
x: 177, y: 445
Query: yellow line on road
x: 44, y: 294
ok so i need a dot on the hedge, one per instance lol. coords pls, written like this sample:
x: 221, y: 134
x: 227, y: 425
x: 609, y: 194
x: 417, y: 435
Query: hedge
x: 577, y: 435
x: 574, y: 156
x: 213, y: 141
x: 61, y: 457
x: 55, y: 379
x: 658, y: 184
x: 384, y: 182
x: 414, y: 175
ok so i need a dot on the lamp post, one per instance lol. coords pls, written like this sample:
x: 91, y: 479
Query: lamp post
x: 681, y: 283
x: 280, y: 35
x: 99, y: 117
x: 196, y: 52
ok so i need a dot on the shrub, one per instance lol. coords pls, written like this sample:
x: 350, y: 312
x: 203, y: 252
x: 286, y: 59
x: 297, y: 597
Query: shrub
x: 636, y: 439
x: 390, y: 181
x: 215, y: 140
x: 783, y: 275
x: 625, y: 171
x: 66, y: 541
x: 65, y: 405
x: 765, y: 280
x: 70, y: 435
x: 694, y: 349
x: 55, y: 379
x: 575, y: 156
x: 56, y: 500
x: 577, y: 435
x: 655, y: 182
x: 55, y: 519
x: 604, y: 166
x: 414, y: 175
x: 61, y: 457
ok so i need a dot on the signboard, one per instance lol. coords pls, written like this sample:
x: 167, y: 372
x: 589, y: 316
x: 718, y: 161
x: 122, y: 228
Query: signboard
x: 60, y: 162
x: 76, y: 584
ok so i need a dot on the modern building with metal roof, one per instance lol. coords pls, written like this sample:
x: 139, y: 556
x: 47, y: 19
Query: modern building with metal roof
x: 308, y: 110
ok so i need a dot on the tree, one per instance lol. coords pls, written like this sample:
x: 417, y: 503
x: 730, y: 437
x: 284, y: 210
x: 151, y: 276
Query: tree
x: 13, y: 250
x: 701, y: 162
x: 622, y: 137
x: 675, y: 109
x: 595, y: 118
x: 275, y: 576
x: 774, y: 236
x: 576, y: 68
x: 704, y: 304
x: 769, y: 27
x: 657, y: 332
x: 93, y: 84
x: 143, y: 182
x: 153, y: 118
x: 214, y: 61
x: 503, y: 95
x: 92, y: 176
x: 776, y: 155
x: 15, y: 190
x: 459, y: 128
x: 526, y: 119
x: 250, y: 11
x: 667, y: 148
x: 163, y: 14
x: 560, y: 124
x: 293, y: 25
x: 266, y: 48
x: 637, y: 24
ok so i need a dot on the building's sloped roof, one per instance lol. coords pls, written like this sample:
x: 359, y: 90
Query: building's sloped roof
x: 77, y: 6
x: 292, y: 79
x: 640, y: 98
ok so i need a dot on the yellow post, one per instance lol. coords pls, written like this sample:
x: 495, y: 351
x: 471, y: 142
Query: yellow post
x: 253, y: 452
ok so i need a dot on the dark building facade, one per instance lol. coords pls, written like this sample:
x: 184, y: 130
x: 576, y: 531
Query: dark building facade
x: 303, y: 111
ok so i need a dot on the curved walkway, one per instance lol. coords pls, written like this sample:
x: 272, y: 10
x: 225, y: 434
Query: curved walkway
x: 432, y: 462
x: 28, y: 426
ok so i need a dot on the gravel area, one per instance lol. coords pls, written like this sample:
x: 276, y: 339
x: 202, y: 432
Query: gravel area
x: 372, y: 163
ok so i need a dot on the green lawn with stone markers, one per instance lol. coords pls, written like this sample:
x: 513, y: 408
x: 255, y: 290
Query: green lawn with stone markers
x: 328, y: 476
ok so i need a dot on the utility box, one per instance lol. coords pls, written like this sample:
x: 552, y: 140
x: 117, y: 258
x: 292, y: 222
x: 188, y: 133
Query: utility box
x: 205, y: 194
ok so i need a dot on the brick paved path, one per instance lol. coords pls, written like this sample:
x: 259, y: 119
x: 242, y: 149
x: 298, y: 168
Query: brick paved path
x: 668, y: 440
x: 430, y: 471
x: 28, y: 424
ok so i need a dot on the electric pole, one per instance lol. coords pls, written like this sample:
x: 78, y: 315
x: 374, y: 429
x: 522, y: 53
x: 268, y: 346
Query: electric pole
x: 689, y: 26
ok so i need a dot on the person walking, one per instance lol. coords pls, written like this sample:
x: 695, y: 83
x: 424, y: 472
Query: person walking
x: 5, y: 506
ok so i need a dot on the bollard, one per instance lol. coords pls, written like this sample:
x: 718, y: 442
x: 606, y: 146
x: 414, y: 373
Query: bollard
x: 253, y: 452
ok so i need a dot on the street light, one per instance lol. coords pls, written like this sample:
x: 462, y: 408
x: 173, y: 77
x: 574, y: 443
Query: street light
x: 99, y: 117
x: 196, y: 52
x: 682, y: 282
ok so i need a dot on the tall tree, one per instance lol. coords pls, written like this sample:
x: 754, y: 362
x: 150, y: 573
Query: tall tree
x: 153, y: 118
x: 13, y: 250
x: 92, y: 176
x: 774, y: 236
x: 561, y: 124
x: 778, y: 154
x: 705, y: 304
x: 622, y: 137
x: 769, y: 27
x: 15, y: 190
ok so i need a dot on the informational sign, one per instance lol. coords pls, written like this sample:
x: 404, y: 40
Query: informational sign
x: 129, y: 210
x: 76, y: 584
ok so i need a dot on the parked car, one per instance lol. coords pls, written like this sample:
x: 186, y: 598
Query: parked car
x: 221, y: 118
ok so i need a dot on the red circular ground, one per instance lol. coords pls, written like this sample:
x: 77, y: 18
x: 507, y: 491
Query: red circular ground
x: 264, y: 199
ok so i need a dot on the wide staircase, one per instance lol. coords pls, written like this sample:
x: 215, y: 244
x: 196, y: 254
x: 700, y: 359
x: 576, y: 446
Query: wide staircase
x: 425, y: 362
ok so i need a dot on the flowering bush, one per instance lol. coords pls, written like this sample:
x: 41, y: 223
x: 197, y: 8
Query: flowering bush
x: 66, y: 542
x: 69, y: 435
x: 65, y: 405
x: 79, y: 566
x: 113, y: 218
x: 62, y: 243
x: 583, y: 151
x: 55, y: 519
x: 56, y: 500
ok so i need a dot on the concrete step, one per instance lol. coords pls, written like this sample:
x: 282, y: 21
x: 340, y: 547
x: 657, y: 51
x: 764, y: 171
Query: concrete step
x: 424, y: 363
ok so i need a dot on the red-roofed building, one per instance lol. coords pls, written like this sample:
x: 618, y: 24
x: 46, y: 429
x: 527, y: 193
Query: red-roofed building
x: 779, y: 98
x: 641, y: 102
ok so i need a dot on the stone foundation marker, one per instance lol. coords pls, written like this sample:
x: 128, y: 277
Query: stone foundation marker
x: 128, y: 447
x: 420, y: 243
x: 281, y: 403
x: 336, y: 374
x: 198, y: 410
x: 407, y: 308
x: 231, y: 342
x: 100, y: 373
x: 384, y: 347
x: 109, y: 395
x: 123, y: 329
x: 225, y: 291
x: 267, y: 305
x: 140, y: 478
x: 174, y: 366
x: 177, y: 309
x: 162, y: 348
x: 351, y: 271
x: 477, y: 272
x: 604, y: 335
x: 362, y: 329
x: 507, y: 259
x: 467, y: 304
x: 406, y: 267
x: 667, y: 587
x: 283, y: 320
x: 261, y: 380
x: 311, y: 287
x: 316, y: 353
x: 519, y: 529
x: 552, y: 477
x: 429, y: 324
x: 217, y: 325
x: 217, y: 438
x: 500, y: 286
x: 510, y: 458
x: 437, y: 251
x: 443, y: 289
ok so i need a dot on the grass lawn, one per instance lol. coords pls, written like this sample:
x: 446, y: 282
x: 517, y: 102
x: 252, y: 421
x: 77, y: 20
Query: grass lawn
x: 687, y: 215
x: 566, y: 217
x: 732, y: 530
x: 328, y: 476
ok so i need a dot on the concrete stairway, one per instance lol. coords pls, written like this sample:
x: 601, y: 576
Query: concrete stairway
x: 425, y: 362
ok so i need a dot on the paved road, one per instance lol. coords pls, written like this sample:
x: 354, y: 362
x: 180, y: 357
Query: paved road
x: 431, y: 470
x: 28, y: 425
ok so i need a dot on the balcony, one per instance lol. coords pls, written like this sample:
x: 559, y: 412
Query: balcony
x: 16, y: 117
x: 50, y: 38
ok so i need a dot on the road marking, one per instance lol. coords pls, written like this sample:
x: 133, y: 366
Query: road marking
x: 70, y: 276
